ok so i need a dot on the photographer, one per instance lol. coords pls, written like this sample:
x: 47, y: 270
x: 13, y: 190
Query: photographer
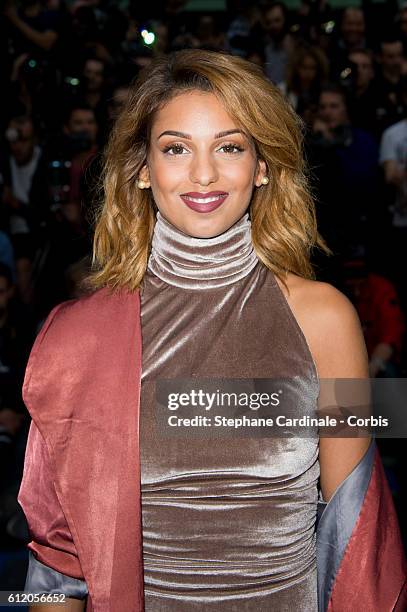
x: 345, y: 160
x: 363, y: 94
x: 34, y: 29
x: 393, y: 158
x: 92, y: 88
x: 279, y: 44
x: 351, y: 36
x: 16, y: 330
x: 73, y: 168
x: 389, y: 81
x: 24, y: 196
x: 79, y: 146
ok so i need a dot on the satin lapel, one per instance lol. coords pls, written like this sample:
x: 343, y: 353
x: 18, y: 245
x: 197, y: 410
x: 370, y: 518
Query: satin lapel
x: 337, y: 522
x: 88, y: 390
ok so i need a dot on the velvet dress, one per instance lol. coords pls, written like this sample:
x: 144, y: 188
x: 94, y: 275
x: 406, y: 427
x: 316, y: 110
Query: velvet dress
x: 228, y: 521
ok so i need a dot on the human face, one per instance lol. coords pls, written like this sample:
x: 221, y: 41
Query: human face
x: 93, y: 73
x: 83, y: 121
x: 22, y: 148
x: 307, y: 70
x: 365, y: 72
x: 392, y: 57
x: 353, y: 27
x: 201, y: 158
x: 332, y: 110
x: 274, y: 21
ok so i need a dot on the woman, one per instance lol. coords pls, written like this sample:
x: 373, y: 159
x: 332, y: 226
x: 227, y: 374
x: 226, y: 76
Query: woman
x: 306, y: 73
x: 202, y: 248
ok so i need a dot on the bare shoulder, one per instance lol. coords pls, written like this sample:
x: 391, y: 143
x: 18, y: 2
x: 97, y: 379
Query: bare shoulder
x: 333, y: 332
x: 317, y: 302
x: 330, y: 325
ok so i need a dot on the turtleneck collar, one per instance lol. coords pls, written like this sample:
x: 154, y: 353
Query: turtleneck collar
x: 201, y: 263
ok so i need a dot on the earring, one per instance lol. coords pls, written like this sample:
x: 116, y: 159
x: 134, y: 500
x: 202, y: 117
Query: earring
x: 265, y: 180
x: 141, y: 184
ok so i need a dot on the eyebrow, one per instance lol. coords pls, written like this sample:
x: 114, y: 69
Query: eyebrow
x: 189, y: 137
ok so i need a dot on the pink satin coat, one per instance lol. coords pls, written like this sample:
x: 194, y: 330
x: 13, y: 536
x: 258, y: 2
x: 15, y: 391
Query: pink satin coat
x: 82, y: 389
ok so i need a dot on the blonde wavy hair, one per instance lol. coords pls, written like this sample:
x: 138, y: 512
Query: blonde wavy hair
x: 282, y: 213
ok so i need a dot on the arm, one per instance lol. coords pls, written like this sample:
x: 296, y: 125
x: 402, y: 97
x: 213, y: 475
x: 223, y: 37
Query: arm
x: 339, y: 352
x: 394, y: 174
x: 55, y: 562
x: 44, y: 40
x: 334, y: 335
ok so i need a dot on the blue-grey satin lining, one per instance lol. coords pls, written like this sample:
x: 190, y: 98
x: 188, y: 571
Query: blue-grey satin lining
x: 44, y: 579
x: 336, y: 524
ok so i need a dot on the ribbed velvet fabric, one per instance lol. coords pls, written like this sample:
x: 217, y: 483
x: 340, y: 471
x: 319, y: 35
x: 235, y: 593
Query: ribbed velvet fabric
x: 204, y: 263
x: 227, y: 524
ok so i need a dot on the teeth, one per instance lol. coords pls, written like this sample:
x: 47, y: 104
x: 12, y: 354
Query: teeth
x: 204, y: 200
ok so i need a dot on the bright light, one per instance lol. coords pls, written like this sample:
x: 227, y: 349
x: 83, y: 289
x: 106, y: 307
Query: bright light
x: 345, y: 73
x: 149, y: 38
x: 329, y: 27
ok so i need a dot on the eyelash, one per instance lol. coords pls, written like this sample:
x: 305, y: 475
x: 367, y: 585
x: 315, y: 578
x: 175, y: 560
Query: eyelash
x: 178, y: 144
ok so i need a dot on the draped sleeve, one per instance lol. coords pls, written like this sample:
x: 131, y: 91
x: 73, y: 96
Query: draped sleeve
x: 51, y: 542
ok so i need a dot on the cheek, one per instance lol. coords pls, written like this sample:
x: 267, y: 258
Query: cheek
x: 240, y: 174
x: 165, y: 177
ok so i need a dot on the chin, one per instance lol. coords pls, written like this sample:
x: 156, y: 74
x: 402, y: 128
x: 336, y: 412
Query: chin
x: 202, y: 225
x: 207, y: 228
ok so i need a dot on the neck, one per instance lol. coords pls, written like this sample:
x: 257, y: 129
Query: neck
x: 201, y: 263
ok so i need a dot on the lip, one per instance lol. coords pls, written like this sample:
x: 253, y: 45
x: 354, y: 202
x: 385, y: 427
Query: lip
x: 220, y: 197
x: 206, y: 194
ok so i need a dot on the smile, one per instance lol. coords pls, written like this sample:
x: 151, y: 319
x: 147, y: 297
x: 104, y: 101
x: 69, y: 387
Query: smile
x: 204, y: 200
x: 204, y: 203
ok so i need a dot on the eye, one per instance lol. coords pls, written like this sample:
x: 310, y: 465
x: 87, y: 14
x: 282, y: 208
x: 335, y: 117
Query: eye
x: 230, y: 146
x: 177, y: 149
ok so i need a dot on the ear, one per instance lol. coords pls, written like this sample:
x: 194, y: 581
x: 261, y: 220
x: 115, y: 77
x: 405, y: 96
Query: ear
x: 144, y: 175
x: 261, y: 172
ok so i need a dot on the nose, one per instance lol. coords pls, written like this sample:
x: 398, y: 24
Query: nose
x: 203, y: 169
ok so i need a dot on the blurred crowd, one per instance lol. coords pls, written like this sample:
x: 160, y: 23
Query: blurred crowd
x: 66, y: 72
